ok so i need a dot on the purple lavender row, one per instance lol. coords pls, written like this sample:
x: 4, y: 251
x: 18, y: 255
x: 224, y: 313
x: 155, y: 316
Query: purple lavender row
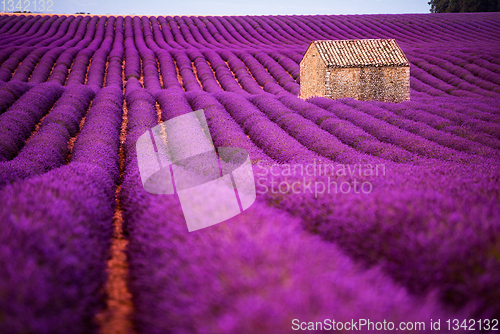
x: 172, y: 103
x: 56, y: 35
x: 487, y: 73
x: 148, y: 58
x: 215, y: 26
x: 167, y: 35
x: 176, y: 33
x: 114, y: 75
x: 20, y: 28
x: 34, y: 35
x: 224, y: 130
x: 97, y: 68
x: 205, y: 73
x: 132, y: 59
x: 10, y: 65
x: 460, y: 33
x: 162, y: 288
x: 185, y: 68
x: 48, y: 147
x: 437, y: 83
x: 201, y: 32
x: 265, y: 28
x: 141, y: 116
x: 479, y: 61
x: 420, y: 33
x: 455, y: 77
x: 241, y: 72
x: 43, y: 29
x: 247, y: 32
x: 245, y: 28
x: 279, y: 74
x: 476, y: 110
x: 59, y: 225
x: 228, y: 30
x: 156, y: 42
x: 153, y: 35
x: 260, y: 27
x: 293, y: 29
x: 440, y: 221
x: 218, y: 36
x: 435, y: 34
x: 365, y: 26
x: 25, y: 69
x: 460, y: 119
x: 338, y: 26
x: 187, y: 34
x: 420, y: 36
x: 302, y: 28
x: 190, y: 26
x: 55, y: 232
x: 17, y: 123
x: 308, y: 133
x: 81, y: 62
x: 258, y: 71
x: 327, y: 24
x: 492, y: 57
x: 99, y: 141
x: 321, y: 25
x: 423, y: 30
x: 48, y: 31
x: 421, y: 88
x: 268, y: 136
x: 76, y: 32
x: 288, y: 64
x: 225, y: 77
x: 417, y: 111
x: 396, y: 31
x: 7, y: 22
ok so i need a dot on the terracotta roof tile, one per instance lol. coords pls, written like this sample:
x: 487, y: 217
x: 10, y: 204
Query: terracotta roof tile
x: 361, y: 53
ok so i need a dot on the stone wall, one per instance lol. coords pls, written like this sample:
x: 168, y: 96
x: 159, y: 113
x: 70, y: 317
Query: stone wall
x: 312, y: 75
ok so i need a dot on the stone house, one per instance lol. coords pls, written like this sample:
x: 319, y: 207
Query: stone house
x: 365, y: 69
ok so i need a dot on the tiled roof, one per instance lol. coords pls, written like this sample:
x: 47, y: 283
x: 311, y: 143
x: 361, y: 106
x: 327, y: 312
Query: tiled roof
x: 361, y: 53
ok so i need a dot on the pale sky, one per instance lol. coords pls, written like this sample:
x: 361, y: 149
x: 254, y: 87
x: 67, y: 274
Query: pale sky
x: 226, y: 7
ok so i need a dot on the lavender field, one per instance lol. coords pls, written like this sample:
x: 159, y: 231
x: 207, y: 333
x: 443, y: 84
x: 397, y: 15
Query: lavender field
x: 365, y: 210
